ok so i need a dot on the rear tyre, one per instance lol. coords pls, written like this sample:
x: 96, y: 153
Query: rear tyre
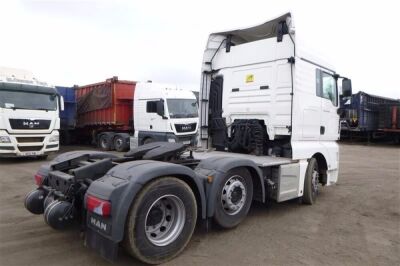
x: 234, y: 198
x: 105, y: 142
x: 120, y: 143
x: 160, y: 221
x: 311, y: 183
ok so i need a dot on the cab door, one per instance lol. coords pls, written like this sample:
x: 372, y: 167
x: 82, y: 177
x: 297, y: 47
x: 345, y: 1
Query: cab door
x: 154, y: 122
x: 328, y: 92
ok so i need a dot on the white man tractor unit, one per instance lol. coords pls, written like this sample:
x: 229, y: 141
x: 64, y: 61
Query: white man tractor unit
x: 29, y: 115
x: 268, y: 129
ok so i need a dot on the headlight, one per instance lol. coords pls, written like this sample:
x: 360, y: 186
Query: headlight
x: 171, y: 140
x: 54, y: 138
x: 5, y: 139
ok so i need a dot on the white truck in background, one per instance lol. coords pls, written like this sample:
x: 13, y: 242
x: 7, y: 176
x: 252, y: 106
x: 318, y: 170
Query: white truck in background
x: 164, y: 113
x: 29, y: 115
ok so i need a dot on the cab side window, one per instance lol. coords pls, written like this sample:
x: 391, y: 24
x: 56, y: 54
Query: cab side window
x: 151, y: 107
x: 326, y: 86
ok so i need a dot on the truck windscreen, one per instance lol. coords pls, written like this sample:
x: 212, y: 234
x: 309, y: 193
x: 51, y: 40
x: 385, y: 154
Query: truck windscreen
x: 12, y: 99
x: 182, y: 108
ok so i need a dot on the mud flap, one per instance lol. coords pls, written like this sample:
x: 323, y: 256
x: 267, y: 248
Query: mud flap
x: 103, y: 246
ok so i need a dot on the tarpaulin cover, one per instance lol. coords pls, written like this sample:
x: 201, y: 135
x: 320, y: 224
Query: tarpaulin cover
x: 96, y: 99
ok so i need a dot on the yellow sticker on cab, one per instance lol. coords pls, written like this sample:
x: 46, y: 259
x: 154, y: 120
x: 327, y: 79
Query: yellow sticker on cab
x: 249, y: 78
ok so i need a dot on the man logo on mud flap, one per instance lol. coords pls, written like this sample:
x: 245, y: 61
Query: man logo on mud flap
x: 100, y: 225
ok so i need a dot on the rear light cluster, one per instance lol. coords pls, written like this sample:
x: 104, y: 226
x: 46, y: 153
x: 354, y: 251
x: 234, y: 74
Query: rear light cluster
x: 39, y: 180
x: 98, y: 206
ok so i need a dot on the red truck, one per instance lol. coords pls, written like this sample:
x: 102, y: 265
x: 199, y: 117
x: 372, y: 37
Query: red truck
x: 105, y: 113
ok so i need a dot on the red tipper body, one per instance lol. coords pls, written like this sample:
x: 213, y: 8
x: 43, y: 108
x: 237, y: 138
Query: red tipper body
x: 105, y: 105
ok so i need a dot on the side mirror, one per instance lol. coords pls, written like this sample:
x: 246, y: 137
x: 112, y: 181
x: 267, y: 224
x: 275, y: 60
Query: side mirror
x: 61, y: 103
x: 346, y: 87
x: 340, y: 112
x: 160, y: 108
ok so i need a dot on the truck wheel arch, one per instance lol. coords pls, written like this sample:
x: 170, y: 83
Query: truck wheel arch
x: 219, y: 166
x: 198, y: 193
x: 322, y: 165
x: 133, y: 176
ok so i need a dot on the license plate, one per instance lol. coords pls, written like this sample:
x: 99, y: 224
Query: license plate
x: 186, y: 142
x: 29, y: 153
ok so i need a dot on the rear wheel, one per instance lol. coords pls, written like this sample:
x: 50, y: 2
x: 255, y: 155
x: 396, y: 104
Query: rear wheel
x: 161, y: 221
x: 234, y: 198
x: 105, y: 142
x: 311, y: 182
x: 120, y: 143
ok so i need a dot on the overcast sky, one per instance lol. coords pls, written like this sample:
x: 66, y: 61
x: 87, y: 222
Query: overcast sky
x: 68, y: 42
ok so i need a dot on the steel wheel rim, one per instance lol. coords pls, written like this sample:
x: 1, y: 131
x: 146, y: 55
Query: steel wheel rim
x: 233, y: 195
x: 165, y: 220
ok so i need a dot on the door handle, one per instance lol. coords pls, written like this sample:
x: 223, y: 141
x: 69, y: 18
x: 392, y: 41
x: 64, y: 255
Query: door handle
x: 322, y: 130
x: 151, y: 126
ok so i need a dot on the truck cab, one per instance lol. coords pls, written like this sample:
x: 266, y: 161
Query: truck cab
x: 29, y: 115
x: 164, y: 113
x: 270, y: 95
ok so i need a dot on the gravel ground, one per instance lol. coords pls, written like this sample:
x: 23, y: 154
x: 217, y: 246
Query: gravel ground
x: 356, y: 222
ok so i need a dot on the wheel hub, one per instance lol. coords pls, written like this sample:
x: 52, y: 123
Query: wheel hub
x: 155, y: 216
x: 165, y: 220
x: 236, y: 195
x: 233, y: 195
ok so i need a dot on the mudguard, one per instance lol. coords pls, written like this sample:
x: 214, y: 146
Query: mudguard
x: 217, y: 167
x: 122, y: 183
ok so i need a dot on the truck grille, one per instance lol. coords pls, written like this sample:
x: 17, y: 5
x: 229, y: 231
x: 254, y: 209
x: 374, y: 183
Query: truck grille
x: 29, y: 123
x: 180, y: 128
x: 29, y: 139
x: 30, y: 148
